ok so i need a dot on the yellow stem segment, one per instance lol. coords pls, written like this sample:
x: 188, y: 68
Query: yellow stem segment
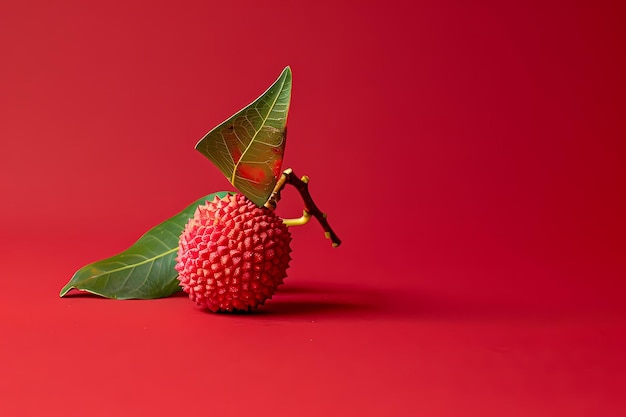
x: 306, y: 216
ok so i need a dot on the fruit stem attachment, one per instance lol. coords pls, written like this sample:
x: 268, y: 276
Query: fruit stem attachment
x: 310, y: 209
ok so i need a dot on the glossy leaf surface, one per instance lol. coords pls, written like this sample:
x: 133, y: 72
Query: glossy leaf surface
x: 145, y: 270
x: 248, y: 148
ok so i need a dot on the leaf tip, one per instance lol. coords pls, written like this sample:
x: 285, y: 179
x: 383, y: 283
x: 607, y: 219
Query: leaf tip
x: 286, y: 74
x: 65, y: 290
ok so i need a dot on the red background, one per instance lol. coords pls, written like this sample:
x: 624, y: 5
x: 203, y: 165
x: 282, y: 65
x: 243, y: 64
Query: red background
x: 470, y: 155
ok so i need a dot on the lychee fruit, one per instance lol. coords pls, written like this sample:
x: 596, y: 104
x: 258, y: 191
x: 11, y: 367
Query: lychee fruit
x: 232, y: 255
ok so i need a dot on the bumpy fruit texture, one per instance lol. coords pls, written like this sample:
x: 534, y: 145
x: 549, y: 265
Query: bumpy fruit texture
x: 232, y: 255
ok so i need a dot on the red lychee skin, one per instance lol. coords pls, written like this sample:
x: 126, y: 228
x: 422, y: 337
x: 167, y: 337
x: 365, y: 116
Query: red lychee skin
x: 232, y: 255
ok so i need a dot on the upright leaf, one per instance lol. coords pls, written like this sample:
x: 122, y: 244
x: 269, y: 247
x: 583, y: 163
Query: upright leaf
x: 145, y: 270
x: 248, y: 148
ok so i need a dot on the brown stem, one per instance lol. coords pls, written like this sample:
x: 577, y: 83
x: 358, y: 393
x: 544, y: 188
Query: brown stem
x: 310, y: 209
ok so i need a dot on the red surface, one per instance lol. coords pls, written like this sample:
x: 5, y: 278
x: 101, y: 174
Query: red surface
x: 470, y: 155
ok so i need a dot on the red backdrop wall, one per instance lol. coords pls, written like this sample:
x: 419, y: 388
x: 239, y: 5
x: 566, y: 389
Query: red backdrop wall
x: 470, y: 155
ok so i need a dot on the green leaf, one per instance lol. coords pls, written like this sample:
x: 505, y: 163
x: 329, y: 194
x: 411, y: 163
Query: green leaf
x: 146, y: 269
x: 248, y: 148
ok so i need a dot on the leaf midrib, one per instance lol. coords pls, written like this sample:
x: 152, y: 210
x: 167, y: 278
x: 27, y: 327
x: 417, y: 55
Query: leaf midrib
x: 134, y: 265
x: 243, y: 154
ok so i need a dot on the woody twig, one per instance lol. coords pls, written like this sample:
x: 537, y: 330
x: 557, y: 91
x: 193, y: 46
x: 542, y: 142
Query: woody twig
x: 310, y: 209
